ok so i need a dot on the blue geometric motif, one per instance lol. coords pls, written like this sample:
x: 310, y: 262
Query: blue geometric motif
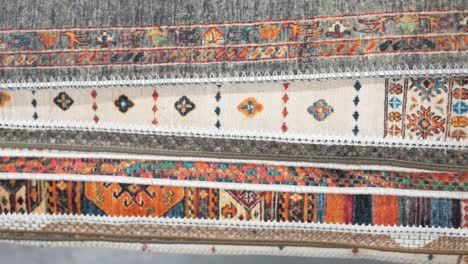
x: 394, y: 102
x: 123, y: 103
x: 460, y: 107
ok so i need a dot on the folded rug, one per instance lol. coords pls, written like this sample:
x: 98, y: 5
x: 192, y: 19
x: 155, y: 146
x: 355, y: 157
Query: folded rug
x: 331, y: 128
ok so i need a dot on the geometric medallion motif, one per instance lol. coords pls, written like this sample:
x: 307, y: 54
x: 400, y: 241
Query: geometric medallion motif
x: 123, y: 103
x: 184, y: 105
x: 241, y: 205
x: 428, y: 88
x: 425, y: 123
x: 131, y: 199
x: 250, y: 107
x: 63, y: 101
x: 423, y: 108
x: 320, y: 110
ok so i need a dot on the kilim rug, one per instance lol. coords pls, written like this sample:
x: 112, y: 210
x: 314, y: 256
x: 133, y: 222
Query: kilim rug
x: 266, y: 127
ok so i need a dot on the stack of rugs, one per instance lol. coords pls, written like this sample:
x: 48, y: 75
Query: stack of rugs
x: 324, y: 128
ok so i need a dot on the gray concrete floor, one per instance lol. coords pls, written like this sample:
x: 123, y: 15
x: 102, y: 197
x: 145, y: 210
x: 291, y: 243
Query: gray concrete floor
x: 42, y: 255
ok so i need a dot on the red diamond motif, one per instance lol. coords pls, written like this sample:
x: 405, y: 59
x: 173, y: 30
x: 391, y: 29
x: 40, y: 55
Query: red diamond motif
x: 96, y: 119
x: 286, y: 85
x: 285, y: 112
x: 284, y: 128
x: 285, y: 98
x: 95, y: 107
x: 155, y: 109
x: 155, y: 122
x: 155, y: 95
x: 94, y: 94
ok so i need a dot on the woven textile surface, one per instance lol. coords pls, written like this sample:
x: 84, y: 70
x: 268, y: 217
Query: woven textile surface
x: 294, y: 128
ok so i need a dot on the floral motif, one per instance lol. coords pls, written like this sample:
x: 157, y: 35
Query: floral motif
x: 338, y: 30
x: 105, y: 39
x: 460, y: 93
x: 459, y: 121
x: 408, y: 23
x: 396, y: 88
x: 464, y: 23
x: 213, y: 36
x: 184, y: 105
x: 428, y: 87
x: 4, y: 98
x: 123, y: 103
x: 320, y: 110
x: 155, y: 36
x: 269, y: 32
x: 250, y: 107
x: 63, y: 101
x: 48, y: 39
x: 394, y: 116
x: 425, y: 123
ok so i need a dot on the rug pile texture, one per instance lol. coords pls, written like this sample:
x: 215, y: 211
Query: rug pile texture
x: 269, y: 127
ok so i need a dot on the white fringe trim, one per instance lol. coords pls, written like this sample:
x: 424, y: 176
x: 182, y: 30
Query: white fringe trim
x: 236, y: 186
x: 236, y: 77
x: 38, y: 221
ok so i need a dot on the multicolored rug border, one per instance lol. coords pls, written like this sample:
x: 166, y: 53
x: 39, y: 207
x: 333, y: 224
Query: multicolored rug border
x: 236, y: 175
x: 144, y: 45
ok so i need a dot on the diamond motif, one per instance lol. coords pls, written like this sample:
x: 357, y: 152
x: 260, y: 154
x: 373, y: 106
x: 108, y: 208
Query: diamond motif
x: 184, y: 106
x: 123, y: 103
x: 357, y: 86
x: 356, y: 100
x: 394, y: 102
x: 217, y: 111
x: 218, y: 96
x: 320, y: 110
x: 356, y: 115
x: 355, y: 130
x: 285, y: 112
x: 250, y: 107
x: 155, y: 95
x: 284, y: 127
x: 63, y: 101
x: 460, y: 107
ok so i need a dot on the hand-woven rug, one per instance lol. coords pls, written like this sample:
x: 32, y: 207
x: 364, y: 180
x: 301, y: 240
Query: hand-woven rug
x: 295, y: 128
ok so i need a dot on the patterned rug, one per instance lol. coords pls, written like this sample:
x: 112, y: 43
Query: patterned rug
x: 255, y: 127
